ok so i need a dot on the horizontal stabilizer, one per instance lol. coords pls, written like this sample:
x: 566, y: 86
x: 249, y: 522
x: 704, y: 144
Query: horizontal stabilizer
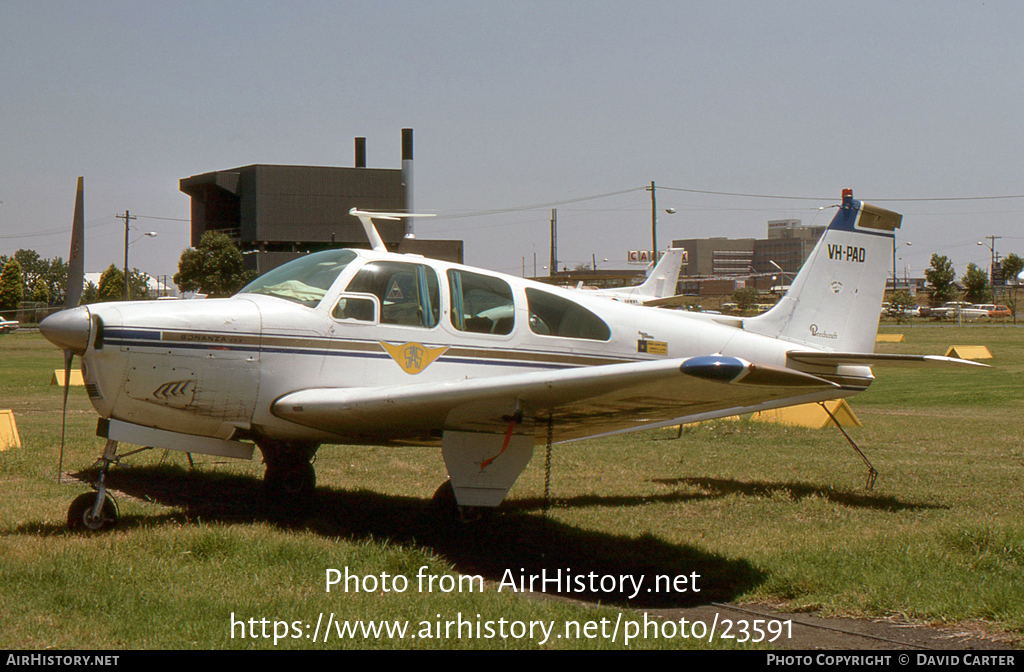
x: 873, y: 359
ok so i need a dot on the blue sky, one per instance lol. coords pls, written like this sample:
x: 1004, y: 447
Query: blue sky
x: 517, y: 104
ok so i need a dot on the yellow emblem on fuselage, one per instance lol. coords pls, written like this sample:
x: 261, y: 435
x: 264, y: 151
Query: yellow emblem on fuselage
x: 413, y: 357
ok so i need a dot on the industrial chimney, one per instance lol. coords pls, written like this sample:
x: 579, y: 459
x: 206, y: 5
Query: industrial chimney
x: 360, y: 152
x: 407, y: 177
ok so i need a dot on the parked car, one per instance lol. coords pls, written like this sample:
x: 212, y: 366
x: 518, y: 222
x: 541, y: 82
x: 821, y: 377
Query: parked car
x: 7, y: 325
x: 952, y: 310
x: 995, y: 310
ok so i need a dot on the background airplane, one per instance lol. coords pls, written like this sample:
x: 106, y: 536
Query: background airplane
x: 660, y: 283
x: 370, y: 347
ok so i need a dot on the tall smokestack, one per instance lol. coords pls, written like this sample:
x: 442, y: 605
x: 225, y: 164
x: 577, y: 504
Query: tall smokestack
x: 360, y: 152
x: 407, y: 176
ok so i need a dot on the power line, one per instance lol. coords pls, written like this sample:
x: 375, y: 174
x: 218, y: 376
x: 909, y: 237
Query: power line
x: 875, y: 200
x: 537, y: 206
x: 166, y: 219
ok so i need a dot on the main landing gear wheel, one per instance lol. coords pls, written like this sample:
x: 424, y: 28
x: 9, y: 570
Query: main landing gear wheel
x: 292, y: 482
x: 290, y: 475
x: 81, y: 517
x: 445, y: 507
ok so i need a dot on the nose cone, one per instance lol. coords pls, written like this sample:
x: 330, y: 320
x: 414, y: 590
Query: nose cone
x: 68, y: 329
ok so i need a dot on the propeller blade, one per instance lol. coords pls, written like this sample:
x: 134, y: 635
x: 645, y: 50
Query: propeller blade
x: 68, y: 358
x: 76, y: 257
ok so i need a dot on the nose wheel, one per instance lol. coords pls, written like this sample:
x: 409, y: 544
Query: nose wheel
x: 96, y: 511
x: 83, y: 513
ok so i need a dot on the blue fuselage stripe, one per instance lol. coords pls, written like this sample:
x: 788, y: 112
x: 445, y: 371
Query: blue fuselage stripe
x: 152, y: 339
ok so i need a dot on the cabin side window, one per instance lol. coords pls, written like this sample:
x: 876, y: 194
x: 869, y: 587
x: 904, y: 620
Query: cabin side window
x: 359, y: 308
x: 408, y: 293
x: 552, y: 315
x: 480, y: 304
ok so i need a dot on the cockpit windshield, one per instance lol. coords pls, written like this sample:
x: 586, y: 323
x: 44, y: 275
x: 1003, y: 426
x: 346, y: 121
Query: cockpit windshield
x: 305, y: 280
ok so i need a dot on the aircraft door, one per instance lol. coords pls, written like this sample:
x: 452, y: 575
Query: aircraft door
x: 388, y: 310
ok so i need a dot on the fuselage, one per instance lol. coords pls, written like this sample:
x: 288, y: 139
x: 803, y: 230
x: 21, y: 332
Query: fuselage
x: 213, y: 367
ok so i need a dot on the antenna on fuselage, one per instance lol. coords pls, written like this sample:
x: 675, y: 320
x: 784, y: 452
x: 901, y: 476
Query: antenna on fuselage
x: 367, y: 217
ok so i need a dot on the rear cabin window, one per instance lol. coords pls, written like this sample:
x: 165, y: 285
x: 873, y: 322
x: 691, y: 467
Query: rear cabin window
x: 552, y: 315
x: 408, y: 293
x: 480, y: 303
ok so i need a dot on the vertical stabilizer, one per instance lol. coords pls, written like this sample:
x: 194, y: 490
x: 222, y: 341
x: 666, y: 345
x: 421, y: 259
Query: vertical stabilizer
x: 835, y: 300
x: 664, y: 276
x: 76, y: 257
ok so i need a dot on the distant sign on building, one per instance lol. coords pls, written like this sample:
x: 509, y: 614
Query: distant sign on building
x: 639, y: 256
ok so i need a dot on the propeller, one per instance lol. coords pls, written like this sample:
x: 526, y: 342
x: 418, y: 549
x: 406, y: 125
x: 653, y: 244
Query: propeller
x: 72, y: 295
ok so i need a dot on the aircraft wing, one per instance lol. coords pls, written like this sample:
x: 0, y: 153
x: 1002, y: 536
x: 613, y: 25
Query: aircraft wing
x: 581, y: 402
x: 669, y: 301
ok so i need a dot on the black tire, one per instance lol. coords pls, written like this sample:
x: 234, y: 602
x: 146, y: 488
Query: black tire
x: 294, y: 483
x: 79, y: 514
x: 443, y: 502
x: 444, y: 507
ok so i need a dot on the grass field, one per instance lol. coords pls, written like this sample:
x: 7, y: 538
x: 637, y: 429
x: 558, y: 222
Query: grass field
x: 762, y: 513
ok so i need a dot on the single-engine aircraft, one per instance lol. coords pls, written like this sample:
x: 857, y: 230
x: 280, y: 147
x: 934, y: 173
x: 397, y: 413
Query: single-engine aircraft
x: 656, y: 289
x: 349, y: 346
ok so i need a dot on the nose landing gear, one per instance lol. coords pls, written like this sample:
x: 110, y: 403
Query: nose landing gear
x: 97, y: 511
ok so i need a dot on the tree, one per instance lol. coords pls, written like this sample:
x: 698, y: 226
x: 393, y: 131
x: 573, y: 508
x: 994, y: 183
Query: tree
x: 940, y: 276
x: 91, y: 293
x: 41, y: 292
x: 976, y: 289
x: 745, y: 298
x: 54, y: 272
x: 111, y: 287
x: 56, y: 278
x: 33, y: 267
x: 1011, y: 266
x: 11, y: 287
x: 214, y: 268
x: 898, y: 304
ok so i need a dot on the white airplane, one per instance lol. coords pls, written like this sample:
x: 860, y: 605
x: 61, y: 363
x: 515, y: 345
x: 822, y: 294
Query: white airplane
x: 369, y: 347
x: 660, y: 283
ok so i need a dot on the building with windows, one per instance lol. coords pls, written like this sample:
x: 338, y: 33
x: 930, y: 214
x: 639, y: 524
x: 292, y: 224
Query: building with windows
x: 721, y: 265
x: 716, y: 256
x: 789, y: 243
x: 276, y: 213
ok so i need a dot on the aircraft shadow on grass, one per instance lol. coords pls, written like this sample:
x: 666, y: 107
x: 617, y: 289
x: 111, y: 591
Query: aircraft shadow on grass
x: 714, y: 488
x: 516, y: 538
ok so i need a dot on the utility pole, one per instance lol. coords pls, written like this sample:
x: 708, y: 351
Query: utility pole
x: 992, y: 266
x: 654, y: 224
x: 127, y: 217
x: 553, y: 268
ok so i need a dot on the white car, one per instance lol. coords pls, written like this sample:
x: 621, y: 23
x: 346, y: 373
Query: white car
x: 959, y: 309
x: 7, y: 325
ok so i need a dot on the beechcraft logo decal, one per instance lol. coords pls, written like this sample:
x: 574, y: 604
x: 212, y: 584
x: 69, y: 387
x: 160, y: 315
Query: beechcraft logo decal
x: 413, y: 357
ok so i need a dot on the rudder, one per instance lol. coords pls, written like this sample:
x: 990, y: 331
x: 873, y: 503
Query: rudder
x: 835, y: 300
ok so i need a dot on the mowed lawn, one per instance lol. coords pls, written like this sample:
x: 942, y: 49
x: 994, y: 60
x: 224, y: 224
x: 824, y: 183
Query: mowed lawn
x: 759, y: 512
